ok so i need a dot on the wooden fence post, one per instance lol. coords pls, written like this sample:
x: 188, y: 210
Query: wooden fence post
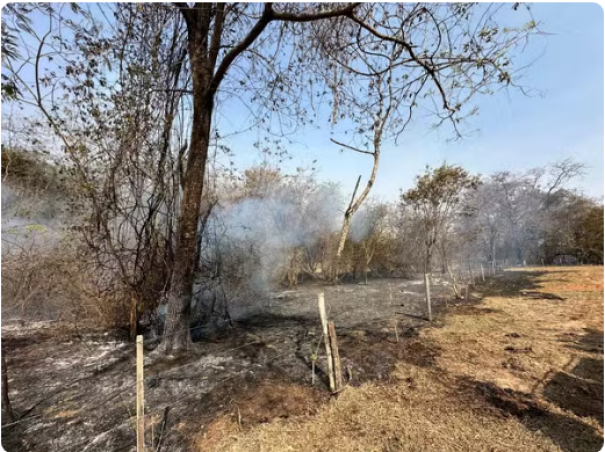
x: 390, y: 296
x: 324, y: 325
x: 7, y: 411
x: 427, y: 292
x: 140, y: 397
x: 338, y: 383
x: 482, y: 273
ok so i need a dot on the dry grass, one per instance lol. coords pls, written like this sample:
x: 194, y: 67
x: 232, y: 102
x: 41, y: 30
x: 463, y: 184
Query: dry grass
x: 513, y: 373
x: 523, y: 340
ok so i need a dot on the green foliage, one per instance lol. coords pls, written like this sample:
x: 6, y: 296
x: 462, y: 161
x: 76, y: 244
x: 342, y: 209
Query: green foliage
x: 588, y: 235
x: 445, y: 184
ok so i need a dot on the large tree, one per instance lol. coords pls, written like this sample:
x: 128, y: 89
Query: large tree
x: 373, y: 65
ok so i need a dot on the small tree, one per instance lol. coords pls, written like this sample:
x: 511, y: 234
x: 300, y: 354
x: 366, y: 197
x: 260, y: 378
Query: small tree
x: 436, y: 199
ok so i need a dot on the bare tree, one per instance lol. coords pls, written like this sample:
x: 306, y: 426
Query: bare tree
x: 388, y: 58
x: 514, y: 206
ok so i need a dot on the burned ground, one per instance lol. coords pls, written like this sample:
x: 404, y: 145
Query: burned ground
x: 76, y: 391
x: 527, y: 368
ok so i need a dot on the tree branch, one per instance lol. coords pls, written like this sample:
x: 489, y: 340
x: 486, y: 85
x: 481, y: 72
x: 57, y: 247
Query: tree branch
x: 351, y: 147
x: 309, y: 17
x: 254, y: 33
x: 428, y: 68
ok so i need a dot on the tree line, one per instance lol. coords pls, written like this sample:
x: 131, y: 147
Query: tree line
x: 265, y: 228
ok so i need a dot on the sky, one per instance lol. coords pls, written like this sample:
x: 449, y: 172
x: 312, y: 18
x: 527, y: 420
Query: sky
x: 562, y: 118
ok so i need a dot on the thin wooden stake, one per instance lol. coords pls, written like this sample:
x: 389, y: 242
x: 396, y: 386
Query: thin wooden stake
x: 133, y: 316
x: 140, y: 397
x: 7, y: 411
x: 390, y: 296
x: 396, y: 332
x: 161, y: 436
x: 338, y: 382
x: 482, y: 274
x: 324, y: 325
x: 427, y: 291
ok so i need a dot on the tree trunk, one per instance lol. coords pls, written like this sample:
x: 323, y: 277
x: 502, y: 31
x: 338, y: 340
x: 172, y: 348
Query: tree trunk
x: 177, y: 337
x: 355, y: 204
x: 453, y: 280
x: 470, y: 271
x: 344, y: 231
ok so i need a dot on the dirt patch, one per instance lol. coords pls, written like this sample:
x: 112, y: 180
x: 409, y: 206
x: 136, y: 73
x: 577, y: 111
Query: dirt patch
x: 373, y: 356
x: 275, y: 399
x: 269, y: 401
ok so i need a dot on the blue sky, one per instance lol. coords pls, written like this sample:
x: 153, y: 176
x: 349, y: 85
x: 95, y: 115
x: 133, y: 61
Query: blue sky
x: 515, y: 132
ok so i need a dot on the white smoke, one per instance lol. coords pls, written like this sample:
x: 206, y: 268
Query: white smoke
x: 365, y: 221
x: 268, y: 228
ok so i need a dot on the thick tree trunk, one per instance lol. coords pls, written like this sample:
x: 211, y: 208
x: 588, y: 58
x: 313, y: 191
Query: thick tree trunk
x: 176, y: 333
x: 177, y: 337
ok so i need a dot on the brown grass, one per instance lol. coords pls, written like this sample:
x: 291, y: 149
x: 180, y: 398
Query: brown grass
x: 514, y: 373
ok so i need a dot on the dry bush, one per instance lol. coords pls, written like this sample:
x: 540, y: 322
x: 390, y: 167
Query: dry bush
x: 29, y: 170
x: 56, y: 283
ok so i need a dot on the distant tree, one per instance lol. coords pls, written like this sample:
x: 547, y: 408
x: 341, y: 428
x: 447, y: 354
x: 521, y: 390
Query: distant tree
x: 436, y: 199
x: 574, y: 226
x: 515, y: 206
x: 589, y: 236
